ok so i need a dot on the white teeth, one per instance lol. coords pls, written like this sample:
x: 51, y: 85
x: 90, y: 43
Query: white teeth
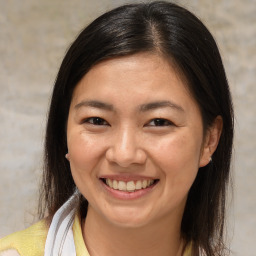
x: 115, y: 184
x: 144, y: 183
x: 109, y: 182
x: 138, y: 185
x: 122, y: 185
x: 129, y: 186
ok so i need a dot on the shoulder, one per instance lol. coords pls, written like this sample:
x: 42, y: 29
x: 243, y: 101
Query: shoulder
x: 28, y: 242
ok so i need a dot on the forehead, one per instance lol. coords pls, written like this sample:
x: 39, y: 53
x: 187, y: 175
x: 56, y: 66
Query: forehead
x: 140, y: 64
x: 148, y: 77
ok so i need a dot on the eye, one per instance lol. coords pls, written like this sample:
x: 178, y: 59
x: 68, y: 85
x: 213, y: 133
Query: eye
x: 159, y: 122
x: 96, y: 121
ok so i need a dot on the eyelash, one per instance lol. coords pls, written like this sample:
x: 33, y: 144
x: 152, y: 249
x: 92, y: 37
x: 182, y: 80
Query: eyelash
x: 160, y: 122
x: 98, y: 121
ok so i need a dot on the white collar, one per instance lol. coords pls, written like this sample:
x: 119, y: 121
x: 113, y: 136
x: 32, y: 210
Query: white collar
x: 60, y: 239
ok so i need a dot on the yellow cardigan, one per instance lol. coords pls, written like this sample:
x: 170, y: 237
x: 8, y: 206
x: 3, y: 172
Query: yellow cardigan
x: 31, y: 241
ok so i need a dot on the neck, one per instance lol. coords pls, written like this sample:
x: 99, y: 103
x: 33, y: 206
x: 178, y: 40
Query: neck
x: 104, y: 238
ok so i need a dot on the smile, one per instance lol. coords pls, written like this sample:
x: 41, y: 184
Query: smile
x: 129, y: 186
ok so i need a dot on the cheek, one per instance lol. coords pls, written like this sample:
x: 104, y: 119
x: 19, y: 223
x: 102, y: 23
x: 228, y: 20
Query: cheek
x: 78, y: 148
x: 84, y: 157
x: 178, y: 158
x: 82, y: 151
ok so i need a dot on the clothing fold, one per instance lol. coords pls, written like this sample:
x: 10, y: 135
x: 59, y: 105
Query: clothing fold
x: 60, y: 238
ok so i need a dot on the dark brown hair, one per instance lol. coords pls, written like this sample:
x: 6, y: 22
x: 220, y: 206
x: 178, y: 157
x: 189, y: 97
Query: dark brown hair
x: 179, y: 36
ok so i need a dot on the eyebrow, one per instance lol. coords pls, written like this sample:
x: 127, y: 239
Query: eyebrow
x: 160, y: 104
x: 94, y: 104
x: 143, y: 108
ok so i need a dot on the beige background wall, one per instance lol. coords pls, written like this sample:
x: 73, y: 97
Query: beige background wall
x: 34, y: 36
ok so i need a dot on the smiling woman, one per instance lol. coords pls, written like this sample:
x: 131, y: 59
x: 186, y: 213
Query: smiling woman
x: 142, y: 111
x: 139, y: 139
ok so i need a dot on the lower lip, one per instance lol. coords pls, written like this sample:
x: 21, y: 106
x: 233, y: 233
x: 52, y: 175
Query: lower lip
x: 124, y: 195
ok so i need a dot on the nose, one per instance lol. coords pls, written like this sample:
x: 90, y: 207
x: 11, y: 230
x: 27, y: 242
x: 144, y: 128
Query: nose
x: 125, y: 148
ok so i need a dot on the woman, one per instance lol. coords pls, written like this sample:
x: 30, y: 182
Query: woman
x: 138, y: 141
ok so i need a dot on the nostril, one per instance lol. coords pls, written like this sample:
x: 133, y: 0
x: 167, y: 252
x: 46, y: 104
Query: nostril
x: 125, y: 158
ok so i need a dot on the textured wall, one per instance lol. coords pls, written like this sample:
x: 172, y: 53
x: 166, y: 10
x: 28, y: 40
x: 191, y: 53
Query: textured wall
x: 34, y: 36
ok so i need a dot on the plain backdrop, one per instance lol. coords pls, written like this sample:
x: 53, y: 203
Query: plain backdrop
x: 34, y: 36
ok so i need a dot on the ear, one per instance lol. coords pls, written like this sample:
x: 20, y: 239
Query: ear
x: 211, y: 141
x: 67, y: 156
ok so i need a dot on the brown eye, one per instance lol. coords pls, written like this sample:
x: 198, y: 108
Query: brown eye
x: 95, y: 121
x: 160, y: 122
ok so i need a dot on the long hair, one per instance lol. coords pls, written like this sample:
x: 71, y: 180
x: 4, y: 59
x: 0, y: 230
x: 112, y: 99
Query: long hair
x: 177, y: 35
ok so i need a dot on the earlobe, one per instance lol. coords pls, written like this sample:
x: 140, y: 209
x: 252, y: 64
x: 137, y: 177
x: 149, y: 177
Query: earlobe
x: 67, y: 156
x: 211, y: 141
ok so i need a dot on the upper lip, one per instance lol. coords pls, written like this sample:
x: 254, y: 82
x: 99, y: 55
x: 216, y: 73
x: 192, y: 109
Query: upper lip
x: 127, y: 177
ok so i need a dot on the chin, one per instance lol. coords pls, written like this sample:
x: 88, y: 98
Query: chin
x: 126, y: 218
x: 128, y: 223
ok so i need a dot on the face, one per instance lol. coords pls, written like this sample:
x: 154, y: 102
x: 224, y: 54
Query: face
x: 135, y: 140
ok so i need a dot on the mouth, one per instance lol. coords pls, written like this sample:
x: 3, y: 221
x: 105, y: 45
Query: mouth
x: 129, y: 186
